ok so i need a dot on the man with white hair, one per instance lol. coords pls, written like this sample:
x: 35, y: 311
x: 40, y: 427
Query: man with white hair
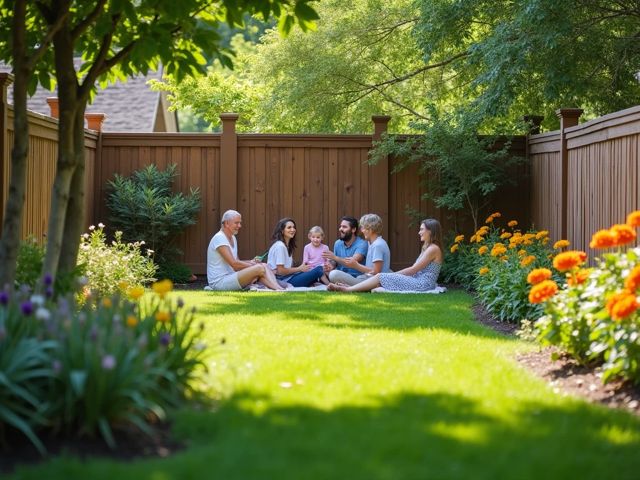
x: 225, y: 272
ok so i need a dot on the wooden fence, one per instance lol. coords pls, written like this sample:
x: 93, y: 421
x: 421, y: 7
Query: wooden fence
x: 585, y: 177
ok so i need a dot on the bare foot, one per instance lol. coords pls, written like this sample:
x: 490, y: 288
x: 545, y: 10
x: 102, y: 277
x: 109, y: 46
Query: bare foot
x: 334, y: 287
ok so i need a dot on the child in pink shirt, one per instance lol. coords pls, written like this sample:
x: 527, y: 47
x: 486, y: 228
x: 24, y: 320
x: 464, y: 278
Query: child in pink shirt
x: 313, y: 251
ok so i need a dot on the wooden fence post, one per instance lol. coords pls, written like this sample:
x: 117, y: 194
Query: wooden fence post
x: 379, y: 187
x: 228, y: 163
x: 568, y: 118
x: 6, y: 79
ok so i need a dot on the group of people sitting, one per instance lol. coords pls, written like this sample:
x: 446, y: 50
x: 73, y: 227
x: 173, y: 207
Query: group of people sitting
x: 354, y: 265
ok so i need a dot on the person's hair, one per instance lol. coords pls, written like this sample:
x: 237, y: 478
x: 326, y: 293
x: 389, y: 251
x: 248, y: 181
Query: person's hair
x: 435, y: 229
x: 316, y: 230
x: 278, y: 234
x: 372, y: 222
x: 228, y: 215
x: 351, y: 221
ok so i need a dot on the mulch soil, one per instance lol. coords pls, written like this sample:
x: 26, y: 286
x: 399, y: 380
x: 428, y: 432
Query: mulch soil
x: 564, y: 374
x: 567, y: 376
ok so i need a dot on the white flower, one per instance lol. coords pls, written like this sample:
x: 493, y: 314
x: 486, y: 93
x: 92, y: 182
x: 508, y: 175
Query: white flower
x: 92, y: 227
x: 101, y: 225
x: 37, y: 299
x: 142, y: 242
x: 43, y: 314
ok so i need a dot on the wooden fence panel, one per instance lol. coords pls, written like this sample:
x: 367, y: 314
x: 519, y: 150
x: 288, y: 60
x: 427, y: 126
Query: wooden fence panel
x: 197, y: 157
x: 546, y: 201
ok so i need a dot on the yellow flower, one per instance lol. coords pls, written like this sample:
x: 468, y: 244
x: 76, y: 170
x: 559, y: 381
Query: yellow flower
x: 527, y: 260
x: 132, y: 321
x: 163, y: 316
x: 472, y: 239
x: 496, y: 214
x: 512, y: 223
x: 458, y: 239
x: 107, y: 303
x: 522, y: 253
x: 498, y: 249
x: 482, y: 250
x: 454, y: 248
x: 135, y: 292
x: 542, y: 234
x: 122, y: 286
x: 483, y: 270
x: 479, y: 239
x: 163, y: 287
x: 489, y: 219
x: 483, y: 230
x: 505, y: 235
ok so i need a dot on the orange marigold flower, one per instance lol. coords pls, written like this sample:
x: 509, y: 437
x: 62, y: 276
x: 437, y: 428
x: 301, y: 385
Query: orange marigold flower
x: 632, y: 282
x: 483, y: 249
x: 496, y: 214
x: 458, y: 239
x: 135, y: 292
x: 489, y: 219
x: 472, y: 239
x: 577, y: 278
x: 505, y: 235
x: 522, y: 252
x: 512, y: 223
x: 622, y: 304
x: 498, y: 249
x: 483, y: 270
x: 561, y: 244
x: 542, y: 291
x: 542, y: 234
x: 567, y: 260
x: 602, y: 239
x: 483, y: 230
x: 107, y: 303
x: 538, y: 275
x: 528, y: 260
x: 633, y: 219
x: 454, y: 248
x: 623, y: 233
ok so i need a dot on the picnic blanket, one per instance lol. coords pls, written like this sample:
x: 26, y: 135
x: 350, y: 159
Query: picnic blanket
x: 435, y: 290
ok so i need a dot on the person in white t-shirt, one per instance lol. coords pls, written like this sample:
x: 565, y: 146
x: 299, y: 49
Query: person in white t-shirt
x: 225, y: 271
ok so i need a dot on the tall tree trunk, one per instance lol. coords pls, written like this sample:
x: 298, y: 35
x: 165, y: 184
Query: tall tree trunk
x: 74, y: 221
x: 12, y: 223
x: 66, y: 165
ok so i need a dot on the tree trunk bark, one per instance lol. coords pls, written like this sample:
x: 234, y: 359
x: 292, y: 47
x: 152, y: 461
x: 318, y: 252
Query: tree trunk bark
x: 74, y: 219
x: 12, y: 223
x: 66, y: 165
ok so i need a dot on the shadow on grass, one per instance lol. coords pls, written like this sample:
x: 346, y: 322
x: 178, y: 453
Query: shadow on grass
x: 410, y: 436
x: 451, y: 311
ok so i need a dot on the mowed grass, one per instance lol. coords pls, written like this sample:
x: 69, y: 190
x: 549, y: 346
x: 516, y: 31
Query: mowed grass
x: 373, y: 386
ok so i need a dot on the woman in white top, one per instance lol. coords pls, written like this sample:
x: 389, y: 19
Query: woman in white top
x: 280, y: 257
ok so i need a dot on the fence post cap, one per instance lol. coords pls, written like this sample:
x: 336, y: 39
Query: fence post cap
x: 6, y: 79
x: 569, y: 112
x: 229, y: 116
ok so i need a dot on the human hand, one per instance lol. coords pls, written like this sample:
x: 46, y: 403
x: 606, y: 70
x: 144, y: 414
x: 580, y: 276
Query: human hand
x: 328, y: 255
x: 350, y: 261
x: 304, y: 268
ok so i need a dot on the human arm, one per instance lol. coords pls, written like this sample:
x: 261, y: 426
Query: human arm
x: 431, y: 254
x: 279, y: 258
x: 306, y: 255
x: 227, y: 255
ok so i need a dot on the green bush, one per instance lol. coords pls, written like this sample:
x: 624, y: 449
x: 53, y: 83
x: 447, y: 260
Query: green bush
x: 117, y: 359
x: 107, y: 266
x: 176, y: 272
x: 29, y: 262
x: 144, y: 208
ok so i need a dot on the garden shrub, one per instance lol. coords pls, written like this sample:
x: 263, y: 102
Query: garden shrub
x: 144, y: 208
x: 117, y: 359
x: 29, y: 262
x: 176, y: 272
x: 595, y: 316
x: 107, y: 266
x: 496, y: 262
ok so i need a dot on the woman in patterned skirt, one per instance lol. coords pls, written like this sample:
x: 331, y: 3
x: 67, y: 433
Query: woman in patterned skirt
x: 421, y: 276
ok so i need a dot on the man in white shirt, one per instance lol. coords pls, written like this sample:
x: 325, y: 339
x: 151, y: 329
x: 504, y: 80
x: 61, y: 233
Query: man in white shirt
x: 225, y: 272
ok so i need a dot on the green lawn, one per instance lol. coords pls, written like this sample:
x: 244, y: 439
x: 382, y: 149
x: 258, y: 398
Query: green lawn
x: 373, y: 386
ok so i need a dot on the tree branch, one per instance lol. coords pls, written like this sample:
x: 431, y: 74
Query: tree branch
x: 88, y: 20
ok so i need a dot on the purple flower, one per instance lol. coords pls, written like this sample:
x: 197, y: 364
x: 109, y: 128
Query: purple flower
x: 108, y: 362
x: 56, y: 366
x: 48, y: 279
x: 26, y: 308
x: 165, y: 338
x: 49, y: 292
x: 4, y: 297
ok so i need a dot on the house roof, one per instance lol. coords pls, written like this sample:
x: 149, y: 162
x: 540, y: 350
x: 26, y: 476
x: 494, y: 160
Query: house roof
x: 129, y: 106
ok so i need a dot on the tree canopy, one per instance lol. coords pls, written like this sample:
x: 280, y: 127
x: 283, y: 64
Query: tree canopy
x: 497, y: 58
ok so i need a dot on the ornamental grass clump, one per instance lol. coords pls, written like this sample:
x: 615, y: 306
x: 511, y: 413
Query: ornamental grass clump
x: 594, y: 317
x: 496, y: 262
x: 120, y: 359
